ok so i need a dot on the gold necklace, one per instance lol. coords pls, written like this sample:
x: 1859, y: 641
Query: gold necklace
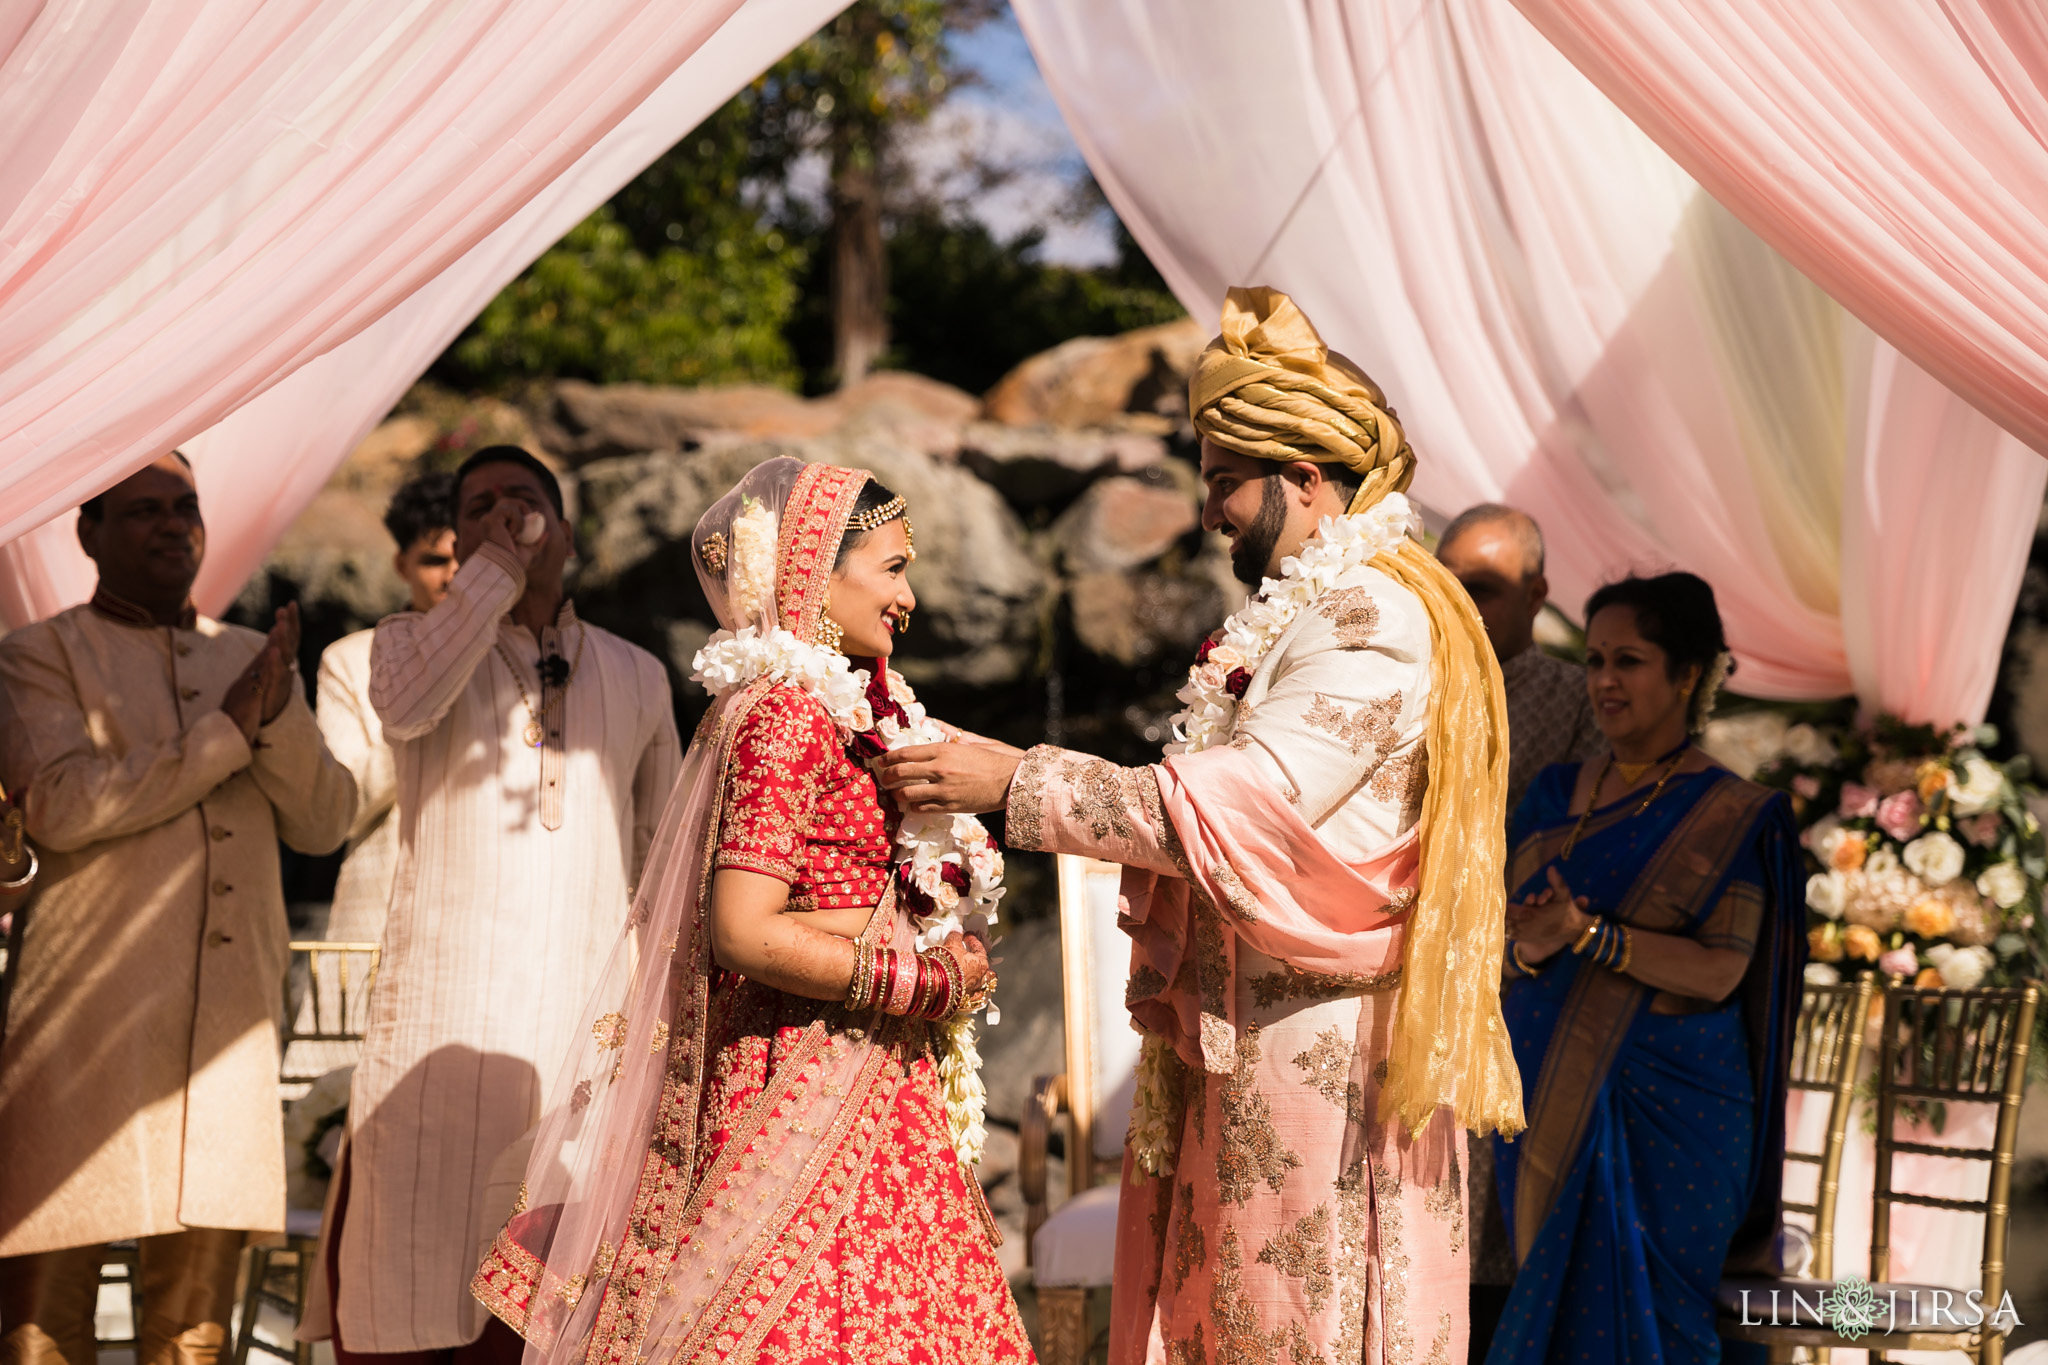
x: 536, y: 734
x: 1593, y: 798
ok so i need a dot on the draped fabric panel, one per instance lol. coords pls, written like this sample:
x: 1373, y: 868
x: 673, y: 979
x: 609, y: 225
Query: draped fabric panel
x: 1565, y: 321
x: 362, y: 178
x: 1895, y: 152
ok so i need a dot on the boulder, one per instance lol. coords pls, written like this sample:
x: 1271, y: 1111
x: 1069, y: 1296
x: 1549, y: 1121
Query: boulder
x: 1048, y: 466
x: 1144, y: 617
x: 1127, y: 520
x: 1104, y: 381
x: 591, y: 421
x: 1031, y: 1040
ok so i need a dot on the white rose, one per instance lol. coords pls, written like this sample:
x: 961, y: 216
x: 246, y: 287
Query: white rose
x: 1822, y: 974
x: 1809, y: 747
x: 1825, y: 895
x: 1964, y: 968
x: 2010, y: 945
x: 1978, y: 788
x: 2003, y: 884
x: 1881, y: 863
x: 1934, y: 858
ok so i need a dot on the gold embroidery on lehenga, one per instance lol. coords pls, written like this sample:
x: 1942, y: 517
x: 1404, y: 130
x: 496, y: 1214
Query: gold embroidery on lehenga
x: 658, y: 1040
x: 1303, y: 1251
x: 1446, y: 1203
x: 1356, y: 614
x: 1188, y: 1249
x: 1248, y: 1149
x: 1146, y: 782
x: 1370, y: 727
x: 1327, y: 1066
x: 1294, y: 983
x: 1239, y: 1339
x: 1188, y: 1349
x: 1236, y: 893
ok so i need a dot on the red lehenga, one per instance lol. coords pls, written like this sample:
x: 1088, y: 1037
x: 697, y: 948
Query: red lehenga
x: 731, y: 1173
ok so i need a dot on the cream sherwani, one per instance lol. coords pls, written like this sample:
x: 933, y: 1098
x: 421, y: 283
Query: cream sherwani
x: 355, y: 736
x: 138, y: 1085
x: 515, y: 866
x: 1294, y: 1219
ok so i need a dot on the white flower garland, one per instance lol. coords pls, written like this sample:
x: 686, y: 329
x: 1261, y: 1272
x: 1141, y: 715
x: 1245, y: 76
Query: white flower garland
x: 926, y: 844
x: 1341, y: 544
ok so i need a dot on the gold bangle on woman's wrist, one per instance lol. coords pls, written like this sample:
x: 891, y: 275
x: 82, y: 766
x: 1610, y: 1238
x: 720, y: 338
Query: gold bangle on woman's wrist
x: 1522, y: 965
x: 1591, y: 931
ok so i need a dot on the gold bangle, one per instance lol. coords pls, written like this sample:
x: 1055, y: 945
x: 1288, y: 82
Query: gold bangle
x: 1579, y: 948
x: 1628, y: 948
x: 1521, y: 965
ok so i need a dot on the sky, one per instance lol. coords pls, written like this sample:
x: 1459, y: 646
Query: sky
x: 1006, y: 117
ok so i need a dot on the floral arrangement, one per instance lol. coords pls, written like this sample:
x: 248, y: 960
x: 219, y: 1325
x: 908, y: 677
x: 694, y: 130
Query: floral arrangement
x: 1224, y: 666
x: 947, y: 866
x: 1926, y: 863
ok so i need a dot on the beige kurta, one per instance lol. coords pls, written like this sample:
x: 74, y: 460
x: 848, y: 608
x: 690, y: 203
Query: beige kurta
x: 355, y: 736
x: 138, y: 1085
x: 514, y: 874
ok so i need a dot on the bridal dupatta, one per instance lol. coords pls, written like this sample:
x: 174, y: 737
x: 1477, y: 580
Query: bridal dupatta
x: 636, y: 1237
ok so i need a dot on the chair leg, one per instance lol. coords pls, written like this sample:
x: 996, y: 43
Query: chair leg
x: 252, y: 1303
x: 1062, y: 1325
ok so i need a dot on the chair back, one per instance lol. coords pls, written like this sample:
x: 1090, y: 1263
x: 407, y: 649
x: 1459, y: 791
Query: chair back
x: 326, y: 1010
x: 1948, y: 1047
x: 1102, y: 1048
x: 1827, y: 1044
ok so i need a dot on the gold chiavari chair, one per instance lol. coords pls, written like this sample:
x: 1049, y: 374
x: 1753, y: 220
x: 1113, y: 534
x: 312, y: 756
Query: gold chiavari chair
x: 1938, y: 1047
x: 326, y: 1013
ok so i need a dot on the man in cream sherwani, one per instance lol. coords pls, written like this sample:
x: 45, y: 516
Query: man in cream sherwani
x: 1313, y: 890
x: 534, y: 754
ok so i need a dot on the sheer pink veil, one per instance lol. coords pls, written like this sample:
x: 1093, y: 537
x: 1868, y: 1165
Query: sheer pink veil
x: 624, y: 1242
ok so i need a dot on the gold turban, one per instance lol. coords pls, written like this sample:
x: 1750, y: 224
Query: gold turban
x: 1268, y: 387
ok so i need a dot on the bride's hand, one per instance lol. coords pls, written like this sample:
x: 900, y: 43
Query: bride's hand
x: 973, y: 960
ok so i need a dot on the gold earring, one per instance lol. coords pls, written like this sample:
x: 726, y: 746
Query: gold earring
x: 829, y: 633
x: 902, y: 622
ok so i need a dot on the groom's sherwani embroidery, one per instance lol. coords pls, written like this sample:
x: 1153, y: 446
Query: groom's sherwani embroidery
x: 1295, y: 1226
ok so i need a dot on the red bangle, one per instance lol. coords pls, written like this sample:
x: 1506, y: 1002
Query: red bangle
x: 902, y: 985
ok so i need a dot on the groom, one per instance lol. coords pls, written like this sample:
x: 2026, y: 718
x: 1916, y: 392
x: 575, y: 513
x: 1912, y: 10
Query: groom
x: 1315, y: 922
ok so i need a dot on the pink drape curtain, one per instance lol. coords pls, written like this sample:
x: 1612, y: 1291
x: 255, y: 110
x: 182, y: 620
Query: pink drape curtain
x: 1896, y: 152
x: 1565, y: 321
x: 278, y: 258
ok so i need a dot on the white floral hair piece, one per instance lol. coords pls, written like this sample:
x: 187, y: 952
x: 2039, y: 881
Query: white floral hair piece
x: 1711, y: 683
x: 750, y: 581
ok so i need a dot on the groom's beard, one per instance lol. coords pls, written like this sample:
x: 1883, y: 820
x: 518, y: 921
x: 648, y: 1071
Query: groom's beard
x: 1254, y: 548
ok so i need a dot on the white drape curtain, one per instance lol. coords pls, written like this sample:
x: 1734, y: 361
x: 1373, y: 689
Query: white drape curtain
x: 268, y: 218
x: 1894, y: 151
x: 1565, y: 322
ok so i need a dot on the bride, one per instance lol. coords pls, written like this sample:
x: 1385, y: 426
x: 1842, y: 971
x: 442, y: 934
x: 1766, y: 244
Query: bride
x: 760, y: 1149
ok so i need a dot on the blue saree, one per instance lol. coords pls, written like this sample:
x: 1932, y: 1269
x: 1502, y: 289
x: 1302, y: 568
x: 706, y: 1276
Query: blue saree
x: 1656, y: 1121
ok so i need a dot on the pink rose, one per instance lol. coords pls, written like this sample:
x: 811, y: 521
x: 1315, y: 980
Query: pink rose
x: 1982, y: 830
x: 1902, y: 961
x: 1226, y: 656
x: 1210, y: 675
x: 1858, y: 802
x: 1899, y: 815
x: 1806, y: 785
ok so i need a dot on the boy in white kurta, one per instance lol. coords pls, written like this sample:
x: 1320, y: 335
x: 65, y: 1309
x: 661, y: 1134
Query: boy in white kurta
x: 534, y: 755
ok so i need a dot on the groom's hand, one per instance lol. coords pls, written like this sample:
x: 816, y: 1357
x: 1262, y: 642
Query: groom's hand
x: 949, y: 779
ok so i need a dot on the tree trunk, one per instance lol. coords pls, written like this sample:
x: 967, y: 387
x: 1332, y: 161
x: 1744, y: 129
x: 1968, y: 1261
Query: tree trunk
x: 860, y: 268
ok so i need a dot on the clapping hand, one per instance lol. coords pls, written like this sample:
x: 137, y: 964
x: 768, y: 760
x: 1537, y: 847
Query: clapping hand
x: 264, y: 688
x: 1548, y: 921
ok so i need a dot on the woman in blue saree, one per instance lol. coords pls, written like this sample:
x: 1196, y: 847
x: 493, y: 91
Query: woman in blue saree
x: 1657, y: 944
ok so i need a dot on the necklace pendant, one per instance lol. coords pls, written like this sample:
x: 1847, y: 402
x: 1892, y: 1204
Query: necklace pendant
x: 534, y: 734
